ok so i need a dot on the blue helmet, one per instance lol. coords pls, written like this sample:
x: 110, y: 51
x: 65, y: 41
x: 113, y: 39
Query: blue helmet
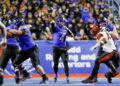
x: 60, y: 22
x: 17, y: 21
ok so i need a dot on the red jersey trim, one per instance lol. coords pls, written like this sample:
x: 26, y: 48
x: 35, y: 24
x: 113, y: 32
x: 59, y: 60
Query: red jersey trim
x: 99, y: 35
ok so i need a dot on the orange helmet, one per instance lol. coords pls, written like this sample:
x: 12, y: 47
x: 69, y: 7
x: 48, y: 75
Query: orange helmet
x: 95, y: 29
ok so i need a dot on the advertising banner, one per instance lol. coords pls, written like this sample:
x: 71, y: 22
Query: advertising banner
x: 81, y: 59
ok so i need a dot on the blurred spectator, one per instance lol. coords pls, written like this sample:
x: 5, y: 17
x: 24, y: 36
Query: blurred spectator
x: 49, y: 34
x: 35, y: 2
x: 43, y: 36
x: 79, y: 14
x: 46, y: 19
x: 37, y: 28
x: 85, y: 13
x: 88, y: 32
x: 101, y: 9
x: 29, y: 8
x: 91, y: 22
x: 96, y: 13
x: 40, y: 13
x: 1, y: 17
x: 59, y: 2
x: 43, y: 2
x: 106, y: 12
x: 34, y: 36
x: 71, y: 17
x: 79, y: 25
x: 101, y: 4
x: 71, y: 8
x: 7, y: 2
x: 89, y: 18
x: 30, y: 19
x: 53, y: 8
x: 92, y: 2
x: 80, y: 6
x: 36, y: 7
x: 16, y: 13
x: 36, y: 15
x: 45, y: 9
x: 70, y: 26
x: 24, y: 3
x: 89, y: 7
x: 4, y: 9
x: 23, y: 17
x: 101, y: 20
x: 63, y: 9
x: 81, y: 35
x: 88, y: 1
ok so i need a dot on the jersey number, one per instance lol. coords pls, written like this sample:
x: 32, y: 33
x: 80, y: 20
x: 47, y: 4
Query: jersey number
x: 62, y: 37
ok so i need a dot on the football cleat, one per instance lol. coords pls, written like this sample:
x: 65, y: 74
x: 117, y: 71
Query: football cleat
x: 90, y: 80
x: 55, y: 79
x: 27, y: 76
x: 109, y: 76
x: 44, y: 81
x: 1, y: 78
x: 17, y: 77
x: 68, y: 81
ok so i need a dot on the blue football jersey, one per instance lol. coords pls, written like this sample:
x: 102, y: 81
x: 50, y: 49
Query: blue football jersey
x: 25, y: 41
x: 59, y: 37
x: 12, y: 41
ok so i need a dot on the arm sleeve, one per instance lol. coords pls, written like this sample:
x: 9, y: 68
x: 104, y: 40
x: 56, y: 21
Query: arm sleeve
x: 53, y: 27
x: 69, y: 32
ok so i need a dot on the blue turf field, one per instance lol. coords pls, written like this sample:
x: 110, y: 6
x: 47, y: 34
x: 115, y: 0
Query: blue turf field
x: 61, y: 82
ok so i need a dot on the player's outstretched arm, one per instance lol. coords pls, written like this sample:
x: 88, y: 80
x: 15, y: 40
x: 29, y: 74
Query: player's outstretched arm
x: 18, y: 32
x: 53, y: 25
x: 113, y: 35
x: 101, y: 41
x: 69, y: 31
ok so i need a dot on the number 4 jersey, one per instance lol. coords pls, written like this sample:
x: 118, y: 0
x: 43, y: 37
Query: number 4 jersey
x: 59, y: 37
x: 109, y: 46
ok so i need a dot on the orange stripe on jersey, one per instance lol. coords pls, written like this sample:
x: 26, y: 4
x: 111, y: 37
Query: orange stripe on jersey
x: 99, y: 35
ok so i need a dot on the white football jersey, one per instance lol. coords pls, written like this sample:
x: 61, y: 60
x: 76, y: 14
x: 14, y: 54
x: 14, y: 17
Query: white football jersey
x: 109, y: 46
x: 2, y: 33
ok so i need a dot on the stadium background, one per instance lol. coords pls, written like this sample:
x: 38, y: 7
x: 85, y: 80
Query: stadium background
x: 39, y: 13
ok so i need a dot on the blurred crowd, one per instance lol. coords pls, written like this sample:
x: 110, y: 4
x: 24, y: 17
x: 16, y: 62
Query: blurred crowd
x: 79, y: 15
